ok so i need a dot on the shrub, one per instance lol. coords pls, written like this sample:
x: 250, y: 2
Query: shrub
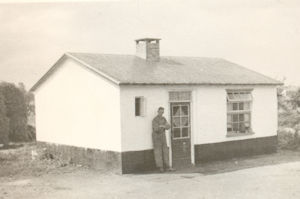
x: 288, y: 138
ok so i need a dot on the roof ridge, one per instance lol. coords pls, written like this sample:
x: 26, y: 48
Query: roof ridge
x: 164, y: 56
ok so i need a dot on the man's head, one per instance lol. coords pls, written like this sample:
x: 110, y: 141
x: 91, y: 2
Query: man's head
x: 160, y: 111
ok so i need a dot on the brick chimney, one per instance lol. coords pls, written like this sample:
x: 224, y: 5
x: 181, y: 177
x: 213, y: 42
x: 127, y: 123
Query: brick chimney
x: 148, y: 48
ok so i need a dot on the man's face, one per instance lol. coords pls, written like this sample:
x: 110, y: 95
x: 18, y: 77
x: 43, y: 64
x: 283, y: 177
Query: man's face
x: 160, y: 112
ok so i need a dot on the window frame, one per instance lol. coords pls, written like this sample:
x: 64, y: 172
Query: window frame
x: 235, y: 96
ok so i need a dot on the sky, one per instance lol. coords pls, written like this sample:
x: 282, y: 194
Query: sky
x: 262, y: 35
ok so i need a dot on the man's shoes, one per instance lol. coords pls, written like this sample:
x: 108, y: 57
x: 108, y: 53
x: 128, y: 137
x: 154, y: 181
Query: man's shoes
x: 161, y: 170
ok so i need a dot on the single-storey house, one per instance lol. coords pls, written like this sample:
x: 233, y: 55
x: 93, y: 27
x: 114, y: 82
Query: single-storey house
x: 97, y: 109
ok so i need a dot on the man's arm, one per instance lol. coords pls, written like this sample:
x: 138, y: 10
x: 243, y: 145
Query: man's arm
x: 167, y: 125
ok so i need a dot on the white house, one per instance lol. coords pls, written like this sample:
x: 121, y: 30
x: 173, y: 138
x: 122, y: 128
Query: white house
x: 97, y: 109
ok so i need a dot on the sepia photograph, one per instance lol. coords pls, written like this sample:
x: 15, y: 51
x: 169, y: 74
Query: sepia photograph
x: 113, y: 99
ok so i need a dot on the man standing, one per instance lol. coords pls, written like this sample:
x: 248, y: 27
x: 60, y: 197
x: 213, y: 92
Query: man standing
x: 161, y: 153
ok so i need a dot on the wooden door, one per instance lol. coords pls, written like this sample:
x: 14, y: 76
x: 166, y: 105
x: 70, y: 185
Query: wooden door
x: 181, y: 134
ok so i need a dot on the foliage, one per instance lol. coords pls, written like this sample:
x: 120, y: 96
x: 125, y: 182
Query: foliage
x: 289, y: 118
x: 4, y: 122
x: 18, y: 105
x: 295, y: 98
x: 29, y: 100
x: 15, y: 111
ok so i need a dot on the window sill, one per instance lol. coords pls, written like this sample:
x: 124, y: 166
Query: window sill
x: 140, y: 116
x: 238, y: 134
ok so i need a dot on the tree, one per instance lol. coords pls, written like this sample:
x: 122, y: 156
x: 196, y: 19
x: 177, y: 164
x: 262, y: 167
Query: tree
x: 295, y: 98
x: 4, y: 122
x: 16, y: 111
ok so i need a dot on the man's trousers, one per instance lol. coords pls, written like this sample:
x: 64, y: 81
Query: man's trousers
x: 161, y: 151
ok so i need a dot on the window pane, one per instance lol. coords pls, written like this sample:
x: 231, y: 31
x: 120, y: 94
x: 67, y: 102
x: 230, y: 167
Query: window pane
x: 235, y: 106
x: 176, y: 122
x: 137, y: 106
x: 185, y: 132
x: 243, y: 95
x: 247, y: 125
x: 230, y: 95
x: 184, y: 110
x: 241, y: 106
x: 235, y: 126
x: 184, y: 121
x: 185, y: 95
x: 229, y: 118
x: 247, y: 117
x: 237, y: 96
x: 229, y: 127
x: 175, y: 111
x: 176, y: 132
x: 235, y: 118
x: 246, y: 106
x: 174, y: 96
x: 242, y: 128
x: 248, y: 96
x: 180, y: 96
x: 230, y: 106
x: 241, y: 117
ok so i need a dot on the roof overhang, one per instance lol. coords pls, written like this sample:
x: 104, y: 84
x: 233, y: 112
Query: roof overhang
x: 58, y: 64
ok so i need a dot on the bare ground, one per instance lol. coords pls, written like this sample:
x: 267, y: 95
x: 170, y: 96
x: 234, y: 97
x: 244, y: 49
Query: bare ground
x: 265, y: 176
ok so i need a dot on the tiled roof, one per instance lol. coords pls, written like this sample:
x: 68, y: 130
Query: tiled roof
x: 129, y: 69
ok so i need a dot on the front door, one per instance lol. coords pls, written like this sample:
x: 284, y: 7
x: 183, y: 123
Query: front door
x: 180, y: 134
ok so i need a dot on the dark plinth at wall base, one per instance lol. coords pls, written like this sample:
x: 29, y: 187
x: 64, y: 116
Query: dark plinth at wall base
x: 94, y: 158
x: 238, y: 148
x: 117, y: 162
x: 141, y: 161
x: 138, y: 161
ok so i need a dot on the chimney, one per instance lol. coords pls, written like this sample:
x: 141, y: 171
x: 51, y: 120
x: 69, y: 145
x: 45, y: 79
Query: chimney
x: 148, y: 49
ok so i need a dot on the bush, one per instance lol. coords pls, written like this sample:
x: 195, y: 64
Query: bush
x: 289, y: 119
x: 288, y: 138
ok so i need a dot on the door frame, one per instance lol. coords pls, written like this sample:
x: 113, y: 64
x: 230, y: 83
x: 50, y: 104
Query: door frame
x: 192, y: 123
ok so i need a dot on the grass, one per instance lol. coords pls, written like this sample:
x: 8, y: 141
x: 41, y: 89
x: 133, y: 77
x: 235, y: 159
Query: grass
x: 29, y: 160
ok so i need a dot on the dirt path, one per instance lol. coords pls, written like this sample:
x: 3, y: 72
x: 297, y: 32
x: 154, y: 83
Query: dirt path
x: 265, y: 176
x: 276, y: 181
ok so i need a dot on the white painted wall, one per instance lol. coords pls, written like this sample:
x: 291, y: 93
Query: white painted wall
x: 208, y: 113
x: 211, y: 117
x: 77, y: 107
x: 136, y: 130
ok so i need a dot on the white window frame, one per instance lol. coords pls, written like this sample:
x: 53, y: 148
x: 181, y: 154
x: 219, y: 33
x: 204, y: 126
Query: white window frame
x: 142, y: 106
x: 239, y: 98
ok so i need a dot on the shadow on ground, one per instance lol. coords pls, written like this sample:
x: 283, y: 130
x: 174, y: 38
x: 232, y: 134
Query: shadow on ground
x: 230, y: 165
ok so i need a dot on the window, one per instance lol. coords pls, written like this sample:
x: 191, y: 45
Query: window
x: 239, y: 112
x: 176, y: 96
x: 139, y: 106
x: 180, y: 120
